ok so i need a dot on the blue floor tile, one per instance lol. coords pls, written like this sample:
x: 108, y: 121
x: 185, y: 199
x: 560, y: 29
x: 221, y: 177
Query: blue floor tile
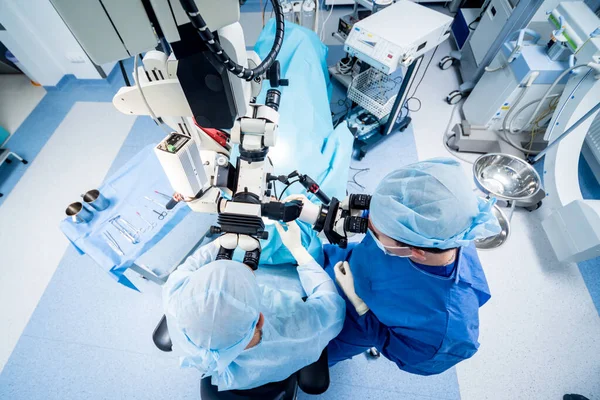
x: 590, y: 271
x: 43, y: 369
x: 359, y: 392
x: 389, y: 154
x: 382, y: 374
x: 84, y: 305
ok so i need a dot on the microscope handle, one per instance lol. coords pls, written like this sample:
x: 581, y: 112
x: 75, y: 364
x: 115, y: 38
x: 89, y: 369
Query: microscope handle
x: 171, y: 204
x: 313, y: 187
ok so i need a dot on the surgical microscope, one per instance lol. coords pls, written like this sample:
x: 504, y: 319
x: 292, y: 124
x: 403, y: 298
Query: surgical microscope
x: 201, y: 86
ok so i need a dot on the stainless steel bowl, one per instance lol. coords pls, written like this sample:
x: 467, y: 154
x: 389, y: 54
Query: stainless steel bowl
x: 506, y: 177
x: 498, y: 240
x: 96, y: 200
x: 78, y: 213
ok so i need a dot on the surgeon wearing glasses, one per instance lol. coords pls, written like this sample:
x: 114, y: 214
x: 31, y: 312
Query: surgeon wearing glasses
x: 414, y: 285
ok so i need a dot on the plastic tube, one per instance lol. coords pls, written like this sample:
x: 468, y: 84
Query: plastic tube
x: 562, y: 108
x: 518, y: 46
x: 507, y: 138
x: 528, y: 84
x: 322, y: 36
x: 317, y: 16
x: 520, y: 110
x: 569, y: 97
x: 547, y: 94
x: 490, y: 69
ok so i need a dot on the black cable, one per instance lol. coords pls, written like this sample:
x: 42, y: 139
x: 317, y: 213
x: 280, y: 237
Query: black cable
x: 475, y: 21
x: 265, y: 9
x: 359, y: 171
x: 214, y: 46
x: 407, y: 105
x: 413, y: 97
x: 125, y: 77
x: 424, y: 72
x: 286, y: 188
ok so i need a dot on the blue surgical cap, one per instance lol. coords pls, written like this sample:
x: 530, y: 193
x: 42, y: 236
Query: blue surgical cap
x: 217, y: 312
x: 432, y: 204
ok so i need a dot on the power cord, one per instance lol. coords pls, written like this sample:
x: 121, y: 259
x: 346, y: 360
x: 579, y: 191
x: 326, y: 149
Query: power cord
x: 406, y: 105
x: 359, y: 171
x: 413, y: 97
x: 322, y: 36
x: 286, y: 188
x: 425, y: 71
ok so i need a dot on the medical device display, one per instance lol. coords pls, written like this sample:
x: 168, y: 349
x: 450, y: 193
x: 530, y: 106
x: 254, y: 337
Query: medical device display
x: 385, y: 47
x: 385, y: 42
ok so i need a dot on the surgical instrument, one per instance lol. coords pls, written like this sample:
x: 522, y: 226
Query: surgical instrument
x: 171, y: 203
x: 110, y: 240
x: 161, y: 215
x: 151, y: 225
x: 115, y: 221
x: 155, y: 202
x: 129, y: 225
x: 166, y: 196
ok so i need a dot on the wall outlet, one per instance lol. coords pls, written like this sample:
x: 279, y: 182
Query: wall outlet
x: 76, y: 58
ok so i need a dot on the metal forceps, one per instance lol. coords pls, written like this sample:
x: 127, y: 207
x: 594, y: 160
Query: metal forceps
x: 161, y: 215
x: 113, y: 243
x: 124, y: 229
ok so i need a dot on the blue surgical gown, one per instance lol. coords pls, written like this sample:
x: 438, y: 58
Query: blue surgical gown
x: 423, y: 322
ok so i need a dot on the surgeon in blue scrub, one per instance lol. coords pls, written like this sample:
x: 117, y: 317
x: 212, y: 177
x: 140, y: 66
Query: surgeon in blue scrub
x: 414, y: 285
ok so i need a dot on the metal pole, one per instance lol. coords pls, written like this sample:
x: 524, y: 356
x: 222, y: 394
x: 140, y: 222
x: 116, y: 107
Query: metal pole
x: 146, y: 273
x: 402, y: 95
x: 513, y: 205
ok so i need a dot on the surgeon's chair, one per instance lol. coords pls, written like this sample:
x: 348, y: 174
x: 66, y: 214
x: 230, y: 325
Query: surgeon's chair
x: 312, y: 379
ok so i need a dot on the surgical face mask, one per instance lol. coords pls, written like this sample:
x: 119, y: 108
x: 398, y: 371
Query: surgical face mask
x: 386, y: 249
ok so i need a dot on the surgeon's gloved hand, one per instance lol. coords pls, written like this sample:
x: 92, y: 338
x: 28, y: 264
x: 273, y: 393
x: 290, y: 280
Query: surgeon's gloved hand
x: 216, y: 243
x: 344, y: 278
x: 291, y: 236
x: 300, y: 197
x: 310, y: 211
